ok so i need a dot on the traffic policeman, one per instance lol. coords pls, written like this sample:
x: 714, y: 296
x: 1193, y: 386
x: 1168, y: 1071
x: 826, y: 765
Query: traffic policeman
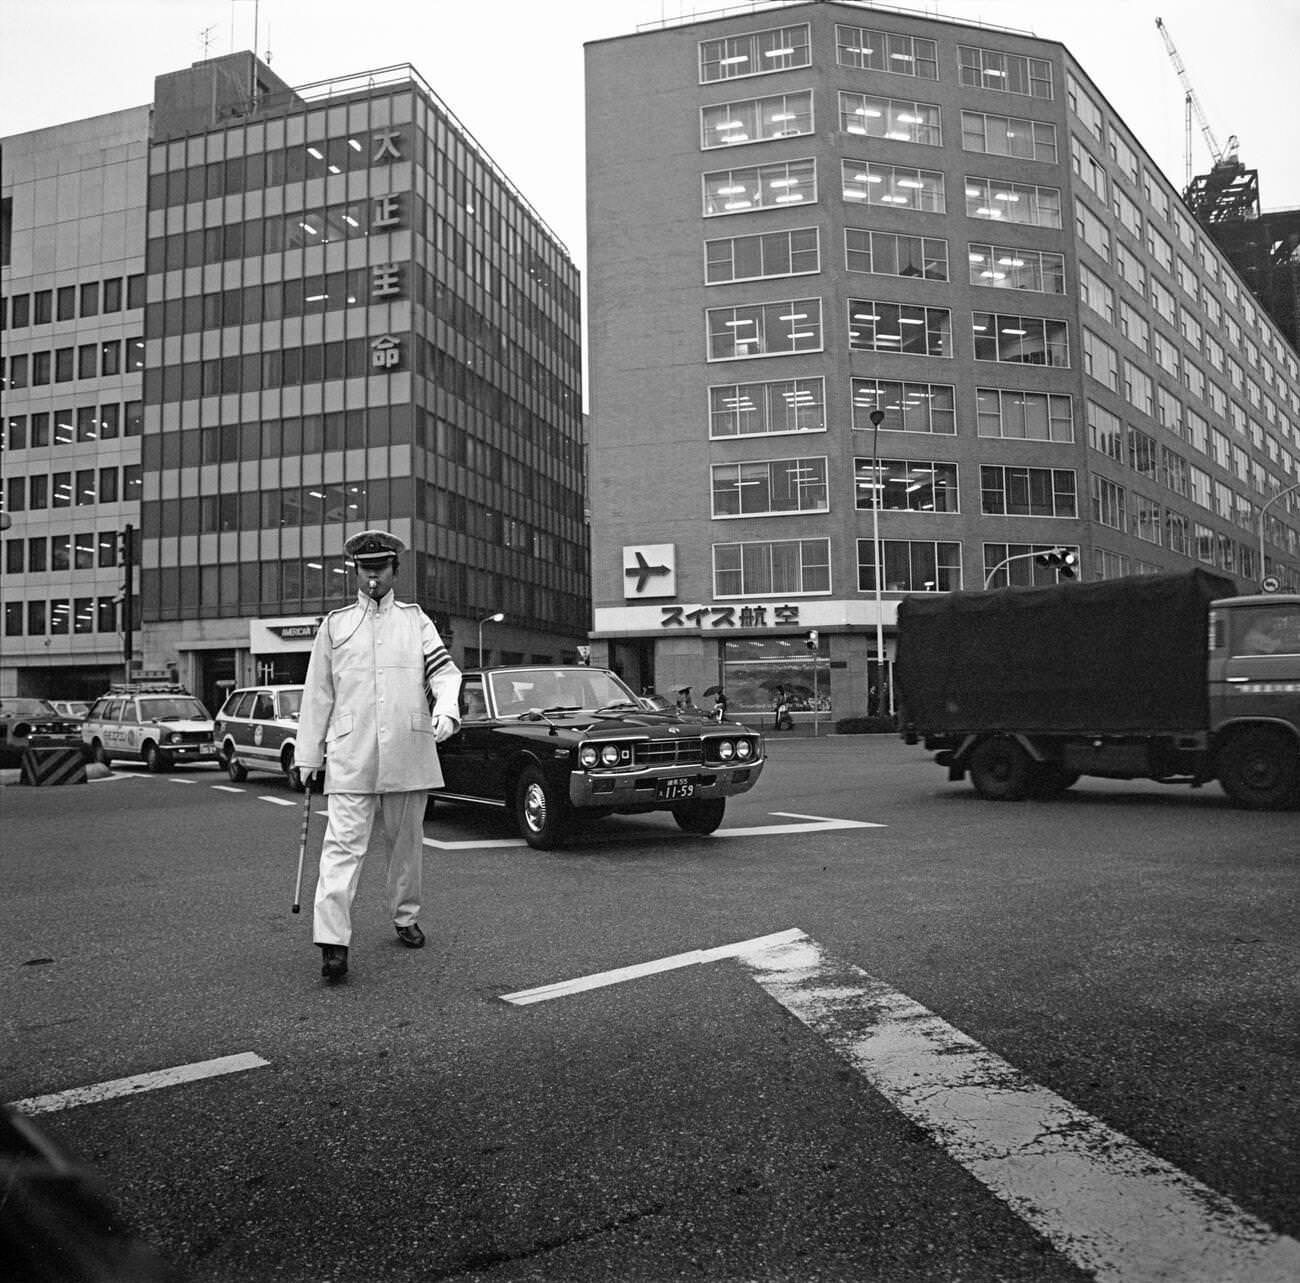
x: 381, y: 693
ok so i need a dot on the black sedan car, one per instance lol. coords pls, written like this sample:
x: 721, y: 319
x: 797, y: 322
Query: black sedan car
x: 33, y: 723
x: 552, y: 743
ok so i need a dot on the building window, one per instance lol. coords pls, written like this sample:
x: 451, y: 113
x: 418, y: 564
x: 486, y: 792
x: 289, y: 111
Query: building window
x: 869, y: 50
x: 905, y: 121
x: 893, y: 185
x: 1088, y: 168
x: 1013, y: 202
x: 1105, y: 432
x: 1124, y: 156
x: 1096, y: 293
x: 1024, y: 416
x: 909, y: 407
x: 769, y: 487
x: 1134, y: 326
x: 910, y: 565
x: 65, y: 302
x: 905, y: 485
x: 787, y: 567
x: 1020, y: 340
x: 1008, y: 136
x: 750, y: 258
x: 756, y: 120
x: 732, y: 191
x: 765, y: 329
x: 1139, y: 388
x: 752, y: 54
x: 757, y: 409
x: 1159, y: 248
x: 1145, y: 519
x: 1108, y: 503
x: 1027, y: 492
x: 1007, y: 72
x: 893, y: 254
x: 1127, y: 212
x: 1091, y: 230
x: 1142, y: 453
x: 1088, y: 112
x: 1009, y: 267
x: 908, y: 328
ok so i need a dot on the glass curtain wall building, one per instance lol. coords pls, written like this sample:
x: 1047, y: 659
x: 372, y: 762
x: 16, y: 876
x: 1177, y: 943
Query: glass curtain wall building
x: 897, y: 304
x: 351, y: 319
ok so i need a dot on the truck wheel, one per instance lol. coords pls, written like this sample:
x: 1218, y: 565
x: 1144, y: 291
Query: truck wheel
x: 999, y: 769
x: 1048, y: 780
x: 1260, y: 770
x: 700, y: 816
x: 541, y: 814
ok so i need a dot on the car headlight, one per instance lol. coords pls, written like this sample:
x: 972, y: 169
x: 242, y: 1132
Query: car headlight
x: 589, y: 755
x: 726, y: 750
x: 609, y: 755
x: 744, y: 750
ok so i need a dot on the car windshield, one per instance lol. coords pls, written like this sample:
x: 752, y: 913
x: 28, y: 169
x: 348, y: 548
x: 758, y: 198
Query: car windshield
x: 519, y: 690
x: 177, y: 708
x: 27, y: 708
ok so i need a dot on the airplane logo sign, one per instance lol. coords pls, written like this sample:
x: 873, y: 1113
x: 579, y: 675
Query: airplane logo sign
x: 650, y: 570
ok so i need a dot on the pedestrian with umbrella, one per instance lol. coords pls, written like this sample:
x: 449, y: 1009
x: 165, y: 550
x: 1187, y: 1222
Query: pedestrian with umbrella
x: 719, y: 710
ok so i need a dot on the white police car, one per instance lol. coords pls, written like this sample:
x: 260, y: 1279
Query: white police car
x: 161, y: 725
x: 257, y: 728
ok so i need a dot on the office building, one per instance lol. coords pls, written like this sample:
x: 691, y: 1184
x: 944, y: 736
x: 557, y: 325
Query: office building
x: 249, y: 321
x: 806, y: 215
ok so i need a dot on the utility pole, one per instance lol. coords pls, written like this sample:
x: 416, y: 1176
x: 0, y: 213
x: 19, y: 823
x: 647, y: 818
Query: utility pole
x: 128, y: 597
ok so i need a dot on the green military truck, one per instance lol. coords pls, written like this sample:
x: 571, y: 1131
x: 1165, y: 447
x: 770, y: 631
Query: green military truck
x: 1169, y: 677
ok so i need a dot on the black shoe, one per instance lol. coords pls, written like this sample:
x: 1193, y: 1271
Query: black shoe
x: 412, y: 937
x: 334, y: 961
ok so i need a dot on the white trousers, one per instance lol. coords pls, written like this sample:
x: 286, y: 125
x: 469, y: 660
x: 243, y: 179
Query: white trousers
x: 351, y: 822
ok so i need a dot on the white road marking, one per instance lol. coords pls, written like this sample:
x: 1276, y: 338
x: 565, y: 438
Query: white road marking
x: 177, y: 780
x: 276, y: 801
x: 226, y: 788
x: 813, y: 824
x: 1105, y: 1203
x: 524, y: 997
x: 138, y: 1082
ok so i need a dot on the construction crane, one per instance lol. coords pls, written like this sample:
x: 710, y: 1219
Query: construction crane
x: 1223, y: 157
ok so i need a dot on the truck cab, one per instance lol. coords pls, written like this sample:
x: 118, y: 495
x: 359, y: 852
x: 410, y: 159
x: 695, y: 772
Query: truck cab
x: 1254, y: 688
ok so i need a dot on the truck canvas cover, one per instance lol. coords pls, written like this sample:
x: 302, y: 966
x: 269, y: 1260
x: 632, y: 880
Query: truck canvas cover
x: 1118, y: 656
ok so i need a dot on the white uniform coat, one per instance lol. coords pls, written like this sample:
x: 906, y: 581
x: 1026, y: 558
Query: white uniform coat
x: 365, y: 714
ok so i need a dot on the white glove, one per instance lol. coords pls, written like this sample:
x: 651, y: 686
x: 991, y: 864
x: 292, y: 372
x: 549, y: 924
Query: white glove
x: 443, y: 728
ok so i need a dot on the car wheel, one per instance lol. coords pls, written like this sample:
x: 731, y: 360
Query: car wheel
x: 1000, y: 769
x: 541, y: 813
x: 1259, y: 770
x: 155, y: 759
x: 700, y: 816
x: 98, y: 753
x: 237, y: 771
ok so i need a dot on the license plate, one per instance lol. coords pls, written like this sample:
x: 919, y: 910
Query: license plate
x: 674, y: 790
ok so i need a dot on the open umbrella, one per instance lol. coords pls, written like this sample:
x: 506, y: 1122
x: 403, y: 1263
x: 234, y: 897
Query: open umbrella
x: 713, y: 690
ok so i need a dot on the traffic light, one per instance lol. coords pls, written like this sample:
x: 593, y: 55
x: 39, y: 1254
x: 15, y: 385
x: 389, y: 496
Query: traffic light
x: 1062, y: 559
x: 811, y: 640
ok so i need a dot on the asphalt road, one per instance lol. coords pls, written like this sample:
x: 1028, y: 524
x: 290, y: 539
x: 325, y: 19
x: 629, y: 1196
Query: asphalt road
x: 1129, y: 949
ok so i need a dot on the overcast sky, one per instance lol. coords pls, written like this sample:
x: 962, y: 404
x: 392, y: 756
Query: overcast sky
x: 512, y: 70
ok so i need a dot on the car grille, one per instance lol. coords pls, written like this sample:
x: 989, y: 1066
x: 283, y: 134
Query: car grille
x: 674, y: 752
x: 190, y: 737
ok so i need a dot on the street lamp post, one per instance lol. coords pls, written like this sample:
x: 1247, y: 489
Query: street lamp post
x: 877, y: 486
x: 1264, y: 507
x: 494, y: 618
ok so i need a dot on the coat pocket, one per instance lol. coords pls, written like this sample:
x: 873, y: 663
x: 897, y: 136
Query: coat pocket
x: 339, y: 727
x: 421, y: 724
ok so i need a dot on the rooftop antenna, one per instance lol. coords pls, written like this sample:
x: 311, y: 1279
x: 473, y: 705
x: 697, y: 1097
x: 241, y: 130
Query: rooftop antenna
x: 205, y: 37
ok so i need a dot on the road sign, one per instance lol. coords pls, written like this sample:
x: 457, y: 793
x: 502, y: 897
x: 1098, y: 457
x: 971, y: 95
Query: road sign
x: 1270, y: 583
